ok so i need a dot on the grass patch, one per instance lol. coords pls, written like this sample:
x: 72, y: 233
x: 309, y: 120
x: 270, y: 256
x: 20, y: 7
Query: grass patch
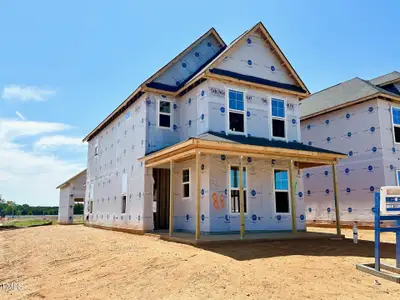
x: 31, y: 222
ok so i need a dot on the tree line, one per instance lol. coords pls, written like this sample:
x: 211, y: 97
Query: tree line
x: 8, y: 208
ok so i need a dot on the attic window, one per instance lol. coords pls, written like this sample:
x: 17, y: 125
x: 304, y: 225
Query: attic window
x: 164, y: 114
x: 236, y: 111
x: 396, y: 124
x: 278, y: 118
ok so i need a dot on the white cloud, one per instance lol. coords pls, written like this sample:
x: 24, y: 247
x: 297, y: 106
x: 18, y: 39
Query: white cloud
x: 32, y: 177
x: 21, y: 116
x: 26, y: 93
x: 57, y: 141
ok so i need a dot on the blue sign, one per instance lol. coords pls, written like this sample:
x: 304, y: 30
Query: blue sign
x: 202, y: 191
x: 187, y: 217
x: 302, y: 217
x: 278, y: 217
x: 254, y: 217
x: 349, y: 209
x: 328, y: 209
x: 222, y: 109
x: 223, y: 157
x: 300, y: 194
x: 202, y: 218
x: 249, y: 159
x: 253, y: 193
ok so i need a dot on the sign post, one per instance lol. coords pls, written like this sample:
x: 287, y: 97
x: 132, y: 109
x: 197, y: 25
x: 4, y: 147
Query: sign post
x: 387, y: 208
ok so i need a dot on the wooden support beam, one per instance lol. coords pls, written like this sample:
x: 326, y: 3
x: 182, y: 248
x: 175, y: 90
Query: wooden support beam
x: 335, y: 194
x: 292, y: 182
x: 171, y: 198
x: 241, y: 198
x: 197, y: 195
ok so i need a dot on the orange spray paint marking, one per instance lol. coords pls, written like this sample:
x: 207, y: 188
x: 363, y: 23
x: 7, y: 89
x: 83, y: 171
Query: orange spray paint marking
x: 222, y: 201
x: 215, y: 201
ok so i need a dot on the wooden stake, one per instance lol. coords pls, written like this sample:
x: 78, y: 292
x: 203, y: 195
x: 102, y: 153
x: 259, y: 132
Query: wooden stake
x: 241, y: 198
x: 335, y: 193
x: 197, y: 195
x: 171, y: 198
x: 292, y: 181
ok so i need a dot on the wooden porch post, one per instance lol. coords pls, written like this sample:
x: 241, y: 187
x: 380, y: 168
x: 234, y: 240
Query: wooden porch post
x: 197, y: 195
x: 292, y: 182
x: 241, y: 198
x: 171, y: 198
x: 335, y: 193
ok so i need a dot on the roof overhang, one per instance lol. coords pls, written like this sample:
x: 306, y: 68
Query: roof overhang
x: 188, y: 149
x: 382, y: 96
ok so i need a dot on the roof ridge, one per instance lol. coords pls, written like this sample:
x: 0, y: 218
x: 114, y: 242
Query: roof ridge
x: 330, y: 87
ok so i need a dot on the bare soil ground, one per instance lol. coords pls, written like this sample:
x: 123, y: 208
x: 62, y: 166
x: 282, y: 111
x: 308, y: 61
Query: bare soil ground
x: 77, y: 262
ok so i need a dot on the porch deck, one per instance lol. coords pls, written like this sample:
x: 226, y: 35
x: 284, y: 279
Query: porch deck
x: 189, y: 238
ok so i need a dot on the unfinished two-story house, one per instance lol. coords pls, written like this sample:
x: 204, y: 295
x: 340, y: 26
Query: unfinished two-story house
x: 208, y: 144
x: 362, y: 119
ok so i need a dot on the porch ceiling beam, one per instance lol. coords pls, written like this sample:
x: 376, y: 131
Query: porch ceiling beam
x: 175, y: 157
x: 266, y: 150
x: 269, y: 156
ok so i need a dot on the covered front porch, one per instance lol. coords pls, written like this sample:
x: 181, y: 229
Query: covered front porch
x: 210, y: 174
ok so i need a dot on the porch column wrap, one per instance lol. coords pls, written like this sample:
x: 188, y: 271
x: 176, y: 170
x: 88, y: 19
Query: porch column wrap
x: 197, y: 195
x: 292, y: 181
x: 171, y: 198
x: 241, y: 198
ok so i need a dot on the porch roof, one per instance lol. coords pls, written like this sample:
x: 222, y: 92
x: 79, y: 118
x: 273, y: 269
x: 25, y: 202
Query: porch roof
x: 239, y: 145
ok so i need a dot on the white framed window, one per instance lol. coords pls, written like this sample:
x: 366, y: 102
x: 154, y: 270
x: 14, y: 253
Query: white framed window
x: 281, y: 191
x: 236, y: 112
x: 234, y: 184
x: 186, y: 183
x: 123, y: 204
x: 164, y: 114
x: 398, y: 177
x: 396, y: 124
x: 278, y: 118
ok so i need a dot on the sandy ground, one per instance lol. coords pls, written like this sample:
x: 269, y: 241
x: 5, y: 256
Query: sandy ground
x: 77, y: 262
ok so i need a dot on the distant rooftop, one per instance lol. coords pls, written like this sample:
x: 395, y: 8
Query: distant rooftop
x: 350, y: 91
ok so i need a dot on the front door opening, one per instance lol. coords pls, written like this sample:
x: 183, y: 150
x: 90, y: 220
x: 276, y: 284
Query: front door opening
x: 161, y: 198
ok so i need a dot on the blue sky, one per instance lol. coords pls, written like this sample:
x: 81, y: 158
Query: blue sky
x: 65, y: 65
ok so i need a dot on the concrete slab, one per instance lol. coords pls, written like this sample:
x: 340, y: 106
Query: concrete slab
x: 189, y: 238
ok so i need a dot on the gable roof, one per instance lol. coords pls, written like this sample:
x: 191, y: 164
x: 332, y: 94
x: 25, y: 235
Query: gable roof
x: 259, y: 27
x: 386, y: 79
x: 72, y: 178
x: 349, y: 92
x: 203, y: 72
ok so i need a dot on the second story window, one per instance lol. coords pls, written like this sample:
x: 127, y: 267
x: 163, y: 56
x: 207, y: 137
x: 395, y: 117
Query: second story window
x: 236, y: 111
x: 278, y: 118
x: 396, y: 124
x: 164, y: 114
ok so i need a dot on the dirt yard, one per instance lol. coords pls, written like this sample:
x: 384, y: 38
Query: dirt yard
x: 77, y: 262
